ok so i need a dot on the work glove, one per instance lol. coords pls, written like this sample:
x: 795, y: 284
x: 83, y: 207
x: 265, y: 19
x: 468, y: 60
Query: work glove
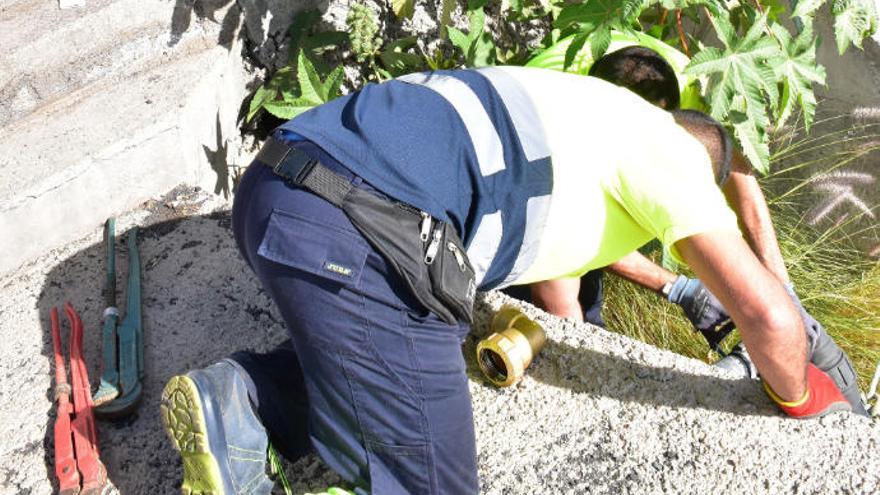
x: 702, y: 308
x: 829, y: 357
x: 822, y: 397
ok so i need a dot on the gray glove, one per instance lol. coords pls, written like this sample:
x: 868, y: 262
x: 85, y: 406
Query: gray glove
x: 702, y: 308
x: 828, y: 356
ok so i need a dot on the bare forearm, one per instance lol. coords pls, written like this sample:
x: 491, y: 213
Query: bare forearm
x: 640, y: 270
x: 770, y: 326
x: 746, y: 198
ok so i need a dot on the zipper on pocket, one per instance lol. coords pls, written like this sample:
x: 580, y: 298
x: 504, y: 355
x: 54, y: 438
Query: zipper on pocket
x: 434, y: 246
x: 459, y: 257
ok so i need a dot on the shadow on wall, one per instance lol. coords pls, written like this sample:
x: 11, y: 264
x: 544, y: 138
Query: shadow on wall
x: 201, y: 303
x: 265, y: 23
x: 206, y: 9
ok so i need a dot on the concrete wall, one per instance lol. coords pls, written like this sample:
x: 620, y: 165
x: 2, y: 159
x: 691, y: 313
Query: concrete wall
x: 102, y: 107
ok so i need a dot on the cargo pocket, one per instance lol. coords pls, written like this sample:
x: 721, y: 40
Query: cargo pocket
x: 398, y: 468
x: 326, y: 251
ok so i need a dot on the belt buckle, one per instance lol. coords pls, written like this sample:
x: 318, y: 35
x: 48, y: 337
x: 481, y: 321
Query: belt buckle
x: 296, y: 166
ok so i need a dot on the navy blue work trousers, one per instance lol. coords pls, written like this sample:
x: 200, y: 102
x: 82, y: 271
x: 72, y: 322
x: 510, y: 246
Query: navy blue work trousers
x: 370, y: 379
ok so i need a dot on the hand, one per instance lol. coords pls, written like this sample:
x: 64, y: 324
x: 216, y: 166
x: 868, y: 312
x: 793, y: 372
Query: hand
x: 702, y: 308
x: 822, y: 397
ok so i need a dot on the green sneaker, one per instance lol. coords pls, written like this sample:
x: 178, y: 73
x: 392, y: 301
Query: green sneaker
x: 209, y: 419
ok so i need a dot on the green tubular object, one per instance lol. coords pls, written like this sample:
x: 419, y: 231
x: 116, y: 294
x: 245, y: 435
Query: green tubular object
x: 109, y: 387
x: 554, y: 58
x: 130, y: 341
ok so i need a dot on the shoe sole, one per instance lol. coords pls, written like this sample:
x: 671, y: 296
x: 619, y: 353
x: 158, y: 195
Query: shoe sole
x: 184, y: 421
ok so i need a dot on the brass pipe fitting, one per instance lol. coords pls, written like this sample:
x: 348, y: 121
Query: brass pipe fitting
x: 508, y: 351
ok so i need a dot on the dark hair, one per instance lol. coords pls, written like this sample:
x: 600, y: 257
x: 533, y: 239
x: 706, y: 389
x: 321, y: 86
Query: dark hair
x: 642, y: 71
x: 712, y: 135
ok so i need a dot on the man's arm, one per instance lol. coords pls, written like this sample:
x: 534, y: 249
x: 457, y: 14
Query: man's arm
x: 560, y: 297
x: 768, y: 321
x: 640, y: 270
x: 747, y: 200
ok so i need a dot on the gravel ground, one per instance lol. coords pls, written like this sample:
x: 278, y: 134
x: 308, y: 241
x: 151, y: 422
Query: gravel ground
x: 596, y: 413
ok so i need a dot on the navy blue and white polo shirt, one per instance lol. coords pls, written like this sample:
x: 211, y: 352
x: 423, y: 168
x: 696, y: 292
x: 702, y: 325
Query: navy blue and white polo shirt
x: 531, y: 166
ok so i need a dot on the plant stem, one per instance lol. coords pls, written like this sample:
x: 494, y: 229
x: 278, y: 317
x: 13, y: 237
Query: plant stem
x: 684, y: 44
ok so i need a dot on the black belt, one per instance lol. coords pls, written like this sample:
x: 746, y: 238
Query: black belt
x: 427, y: 253
x: 297, y: 167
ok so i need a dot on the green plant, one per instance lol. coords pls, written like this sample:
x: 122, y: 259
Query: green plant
x: 385, y: 62
x: 759, y: 76
x: 362, y: 30
x: 293, y: 90
x: 477, y: 45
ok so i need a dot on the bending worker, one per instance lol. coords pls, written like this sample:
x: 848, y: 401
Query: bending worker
x: 372, y: 219
x: 648, y: 74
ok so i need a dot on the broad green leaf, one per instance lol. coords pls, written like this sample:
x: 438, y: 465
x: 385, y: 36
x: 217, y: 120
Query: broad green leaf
x: 754, y: 144
x: 289, y: 109
x: 573, y: 49
x: 806, y: 8
x: 483, y: 51
x: 775, y: 9
x: 459, y: 40
x: 403, y: 9
x: 310, y: 86
x: 476, y: 23
x: 755, y: 32
x: 476, y: 4
x: 720, y: 95
x: 399, y: 63
x: 707, y: 61
x: 796, y: 66
x: 599, y: 41
x: 854, y: 20
x: 261, y: 96
x: 742, y: 83
x: 724, y: 30
x: 592, y: 13
x: 632, y: 9
x: 282, y: 78
x: 333, y: 82
x: 786, y: 105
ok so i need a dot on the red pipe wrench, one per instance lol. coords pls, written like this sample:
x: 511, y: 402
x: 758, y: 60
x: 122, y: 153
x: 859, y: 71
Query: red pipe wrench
x: 77, y: 465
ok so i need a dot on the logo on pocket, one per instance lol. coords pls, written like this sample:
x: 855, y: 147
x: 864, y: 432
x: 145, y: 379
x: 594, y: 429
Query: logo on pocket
x: 335, y: 268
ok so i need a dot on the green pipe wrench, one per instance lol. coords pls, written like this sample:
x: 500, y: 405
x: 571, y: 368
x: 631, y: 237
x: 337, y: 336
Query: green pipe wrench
x: 121, y: 389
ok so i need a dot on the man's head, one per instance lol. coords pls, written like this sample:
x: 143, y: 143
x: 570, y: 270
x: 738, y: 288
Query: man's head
x: 713, y: 136
x: 642, y: 71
